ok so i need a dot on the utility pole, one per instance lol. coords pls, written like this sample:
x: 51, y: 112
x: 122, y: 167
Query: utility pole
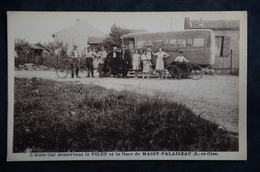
x: 171, y: 23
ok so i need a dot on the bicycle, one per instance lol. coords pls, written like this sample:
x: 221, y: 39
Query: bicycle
x: 194, y: 72
x: 63, y: 70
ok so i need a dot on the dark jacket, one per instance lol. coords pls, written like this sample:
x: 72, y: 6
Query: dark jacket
x: 125, y: 59
x: 114, y: 61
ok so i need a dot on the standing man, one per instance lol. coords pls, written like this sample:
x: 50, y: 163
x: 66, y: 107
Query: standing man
x: 114, y: 58
x: 102, y: 55
x: 125, y: 61
x: 89, y: 55
x: 74, y: 54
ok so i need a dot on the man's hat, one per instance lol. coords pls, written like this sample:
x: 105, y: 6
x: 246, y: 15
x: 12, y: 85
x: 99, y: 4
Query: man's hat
x: 180, y: 52
x: 75, y: 45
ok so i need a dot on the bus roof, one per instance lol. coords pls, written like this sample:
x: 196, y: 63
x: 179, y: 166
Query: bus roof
x: 164, y: 33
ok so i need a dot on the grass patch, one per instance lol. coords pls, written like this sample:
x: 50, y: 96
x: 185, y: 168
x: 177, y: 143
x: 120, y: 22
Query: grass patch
x: 54, y: 116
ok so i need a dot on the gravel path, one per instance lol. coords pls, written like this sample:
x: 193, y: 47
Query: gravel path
x: 215, y: 98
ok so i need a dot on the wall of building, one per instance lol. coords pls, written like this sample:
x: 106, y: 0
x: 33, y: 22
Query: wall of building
x: 225, y: 62
x: 77, y: 35
x: 71, y: 37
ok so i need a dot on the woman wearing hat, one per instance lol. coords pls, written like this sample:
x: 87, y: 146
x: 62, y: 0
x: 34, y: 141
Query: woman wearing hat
x: 159, y: 67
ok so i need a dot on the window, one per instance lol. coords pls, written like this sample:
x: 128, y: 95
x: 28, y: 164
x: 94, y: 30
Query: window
x: 219, y: 45
x: 157, y: 42
x: 141, y: 42
x: 165, y: 42
x: 195, y: 41
x: 177, y: 42
x: 129, y: 42
x: 189, y: 42
x: 160, y: 42
x: 198, y: 42
x: 149, y: 43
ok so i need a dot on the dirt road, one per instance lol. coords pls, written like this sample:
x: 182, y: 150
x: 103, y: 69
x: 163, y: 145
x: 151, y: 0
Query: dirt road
x: 215, y: 98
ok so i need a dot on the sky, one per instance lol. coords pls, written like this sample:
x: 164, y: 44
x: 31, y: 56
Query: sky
x: 39, y: 26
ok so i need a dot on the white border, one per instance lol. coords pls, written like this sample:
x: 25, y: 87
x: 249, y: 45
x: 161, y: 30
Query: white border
x: 240, y: 155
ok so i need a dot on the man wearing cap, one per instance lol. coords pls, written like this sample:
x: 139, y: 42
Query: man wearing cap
x: 181, y: 60
x: 114, y: 58
x: 74, y: 54
x: 88, y: 55
x: 125, y: 61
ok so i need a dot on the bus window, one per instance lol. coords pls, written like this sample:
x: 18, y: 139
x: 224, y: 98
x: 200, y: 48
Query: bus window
x: 141, y: 43
x: 177, y: 42
x: 198, y: 42
x: 165, y: 43
x: 195, y: 41
x: 160, y: 42
x: 189, y: 42
x: 157, y: 41
x: 149, y: 43
x: 129, y: 42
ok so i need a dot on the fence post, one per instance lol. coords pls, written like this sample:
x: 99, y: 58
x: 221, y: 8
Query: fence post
x: 231, y: 61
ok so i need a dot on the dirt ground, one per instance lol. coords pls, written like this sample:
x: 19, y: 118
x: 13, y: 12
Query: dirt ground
x: 214, y: 98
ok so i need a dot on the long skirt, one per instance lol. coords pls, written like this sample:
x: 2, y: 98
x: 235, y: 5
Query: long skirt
x: 147, y: 66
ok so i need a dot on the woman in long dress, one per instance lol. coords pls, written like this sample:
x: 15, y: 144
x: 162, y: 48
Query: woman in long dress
x: 146, y: 59
x: 136, y: 63
x: 159, y: 67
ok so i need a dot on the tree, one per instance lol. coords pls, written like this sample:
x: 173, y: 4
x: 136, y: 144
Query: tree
x: 114, y: 38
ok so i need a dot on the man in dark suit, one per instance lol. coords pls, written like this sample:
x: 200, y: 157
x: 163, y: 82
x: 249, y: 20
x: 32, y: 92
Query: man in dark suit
x: 125, y: 61
x: 114, y: 58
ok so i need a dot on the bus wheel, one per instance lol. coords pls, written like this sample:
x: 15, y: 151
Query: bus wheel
x: 173, y: 71
x: 107, y: 71
x: 195, y: 72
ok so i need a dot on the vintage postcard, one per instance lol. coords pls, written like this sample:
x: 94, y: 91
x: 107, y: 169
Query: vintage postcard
x: 127, y: 86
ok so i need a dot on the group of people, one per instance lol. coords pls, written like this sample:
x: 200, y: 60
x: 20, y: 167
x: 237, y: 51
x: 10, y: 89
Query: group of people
x: 121, y: 62
x: 90, y: 57
x: 146, y: 58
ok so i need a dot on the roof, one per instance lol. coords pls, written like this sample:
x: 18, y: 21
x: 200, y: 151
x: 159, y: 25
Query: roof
x: 36, y: 47
x: 84, y: 26
x: 42, y: 46
x: 215, y: 24
x: 95, y: 40
x: 165, y: 32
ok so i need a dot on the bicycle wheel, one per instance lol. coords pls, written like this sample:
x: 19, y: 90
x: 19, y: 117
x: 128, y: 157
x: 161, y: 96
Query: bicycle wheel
x: 173, y: 70
x: 195, y: 72
x: 62, y: 71
x: 107, y: 71
x: 83, y: 71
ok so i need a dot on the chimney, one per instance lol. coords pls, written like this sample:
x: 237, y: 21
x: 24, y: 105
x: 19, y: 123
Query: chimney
x: 187, y: 23
x: 77, y: 21
x: 201, y: 23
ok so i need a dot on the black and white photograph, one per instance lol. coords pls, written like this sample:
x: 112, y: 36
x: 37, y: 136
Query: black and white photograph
x: 127, y: 86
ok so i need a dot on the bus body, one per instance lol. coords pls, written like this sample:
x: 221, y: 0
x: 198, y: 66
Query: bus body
x: 197, y: 45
